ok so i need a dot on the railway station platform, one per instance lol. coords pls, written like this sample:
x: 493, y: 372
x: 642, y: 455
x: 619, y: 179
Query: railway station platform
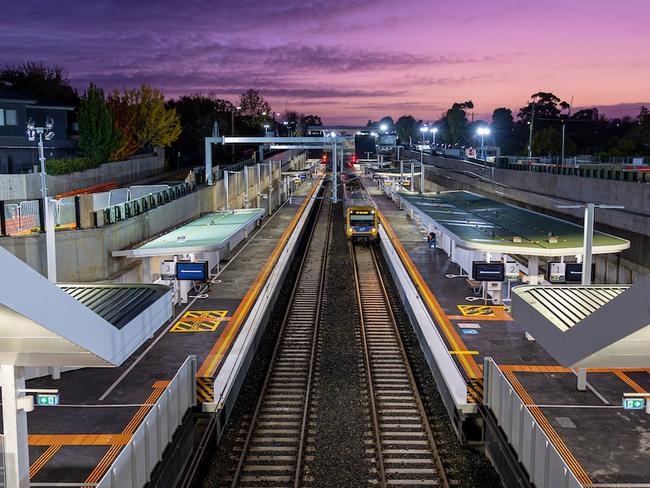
x: 79, y: 442
x: 562, y: 436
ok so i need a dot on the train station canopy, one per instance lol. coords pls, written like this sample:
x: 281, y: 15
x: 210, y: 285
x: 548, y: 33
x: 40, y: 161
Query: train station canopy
x: 209, y: 233
x: 478, y: 223
x: 74, y: 325
x: 595, y: 326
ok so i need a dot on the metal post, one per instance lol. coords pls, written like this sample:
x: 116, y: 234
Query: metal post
x: 246, y: 187
x: 259, y: 184
x: 232, y: 133
x: 270, y: 186
x: 261, y: 151
x: 582, y: 379
x: 335, y: 178
x: 208, y: 161
x: 588, y: 244
x: 413, y: 175
x: 50, y: 245
x: 14, y: 420
x: 398, y: 152
x: 3, y: 219
x: 530, y: 132
x: 563, y: 132
x: 421, y: 179
x: 225, y: 185
x: 401, y: 174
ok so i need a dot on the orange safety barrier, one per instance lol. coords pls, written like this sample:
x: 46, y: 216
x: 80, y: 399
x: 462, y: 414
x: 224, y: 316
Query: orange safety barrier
x: 90, y: 189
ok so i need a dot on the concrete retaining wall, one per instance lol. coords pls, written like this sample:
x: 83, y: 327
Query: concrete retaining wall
x: 28, y: 186
x: 85, y: 255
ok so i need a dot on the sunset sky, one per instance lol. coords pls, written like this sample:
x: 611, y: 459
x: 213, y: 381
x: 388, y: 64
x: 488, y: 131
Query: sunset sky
x: 347, y: 61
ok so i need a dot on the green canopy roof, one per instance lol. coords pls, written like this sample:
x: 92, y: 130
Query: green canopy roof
x: 477, y: 222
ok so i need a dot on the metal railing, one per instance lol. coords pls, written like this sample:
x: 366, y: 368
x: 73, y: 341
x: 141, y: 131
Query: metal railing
x: 131, y: 208
x: 135, y: 463
x: 535, y: 451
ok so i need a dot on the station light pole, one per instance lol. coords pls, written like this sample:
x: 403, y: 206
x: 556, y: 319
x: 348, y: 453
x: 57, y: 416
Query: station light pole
x: 588, y: 238
x: 483, y: 131
x: 434, y: 131
x: 422, y: 131
x: 46, y: 133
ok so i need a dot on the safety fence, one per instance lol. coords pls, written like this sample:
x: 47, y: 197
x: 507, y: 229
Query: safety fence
x: 131, y: 208
x: 27, y: 217
x: 535, y: 450
x: 133, y: 466
x: 622, y: 174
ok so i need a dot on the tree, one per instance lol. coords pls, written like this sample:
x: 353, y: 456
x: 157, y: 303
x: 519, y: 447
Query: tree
x: 457, y: 121
x: 548, y: 142
x: 388, y: 121
x: 197, y: 114
x: 407, y: 128
x: 253, y: 104
x: 547, y: 106
x: 307, y: 120
x: 98, y: 137
x: 40, y: 79
x: 153, y: 124
x: 503, y: 126
x: 124, y: 121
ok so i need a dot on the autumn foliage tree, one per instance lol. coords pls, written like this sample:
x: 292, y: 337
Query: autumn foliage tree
x: 124, y: 122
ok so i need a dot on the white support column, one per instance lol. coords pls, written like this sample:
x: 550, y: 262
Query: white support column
x: 582, y: 379
x: 246, y: 187
x: 412, y: 176
x: 533, y: 270
x: 50, y: 238
x: 270, y: 187
x: 421, y: 178
x: 588, y: 244
x: 401, y: 175
x: 208, y: 161
x: 14, y: 421
x: 259, y: 185
x: 225, y: 186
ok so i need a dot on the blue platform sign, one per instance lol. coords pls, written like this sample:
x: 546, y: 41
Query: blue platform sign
x: 469, y: 331
x: 197, y: 271
x: 633, y: 403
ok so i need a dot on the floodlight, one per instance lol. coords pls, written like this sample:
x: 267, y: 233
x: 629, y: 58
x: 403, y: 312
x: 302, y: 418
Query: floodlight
x: 49, y: 123
x: 31, y: 124
x: 49, y: 135
x: 423, y: 129
x: 433, y: 129
x: 383, y: 127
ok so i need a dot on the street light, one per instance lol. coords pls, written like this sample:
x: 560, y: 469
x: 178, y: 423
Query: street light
x: 422, y: 131
x: 47, y: 133
x: 434, y: 131
x: 383, y: 127
x: 483, y: 131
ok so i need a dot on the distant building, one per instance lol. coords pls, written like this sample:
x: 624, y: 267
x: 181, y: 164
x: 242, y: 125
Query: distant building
x: 19, y: 155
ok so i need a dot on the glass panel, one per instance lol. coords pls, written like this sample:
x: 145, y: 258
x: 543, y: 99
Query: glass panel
x: 10, y: 117
x: 2, y: 116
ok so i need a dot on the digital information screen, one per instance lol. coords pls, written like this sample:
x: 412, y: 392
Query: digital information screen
x: 197, y: 271
x: 482, y: 271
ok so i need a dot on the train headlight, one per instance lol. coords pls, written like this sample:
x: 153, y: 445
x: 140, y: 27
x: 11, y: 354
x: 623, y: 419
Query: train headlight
x: 373, y: 230
x: 349, y: 231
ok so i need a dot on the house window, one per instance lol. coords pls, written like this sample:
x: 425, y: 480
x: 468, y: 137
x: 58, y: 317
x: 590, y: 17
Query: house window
x: 10, y: 117
x: 2, y: 116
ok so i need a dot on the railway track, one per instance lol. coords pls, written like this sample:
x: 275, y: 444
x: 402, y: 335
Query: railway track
x: 273, y: 449
x: 405, y: 450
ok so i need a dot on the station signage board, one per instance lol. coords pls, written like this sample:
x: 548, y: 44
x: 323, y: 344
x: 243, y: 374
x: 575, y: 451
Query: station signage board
x: 47, y: 399
x: 512, y: 270
x: 192, y: 270
x: 557, y: 272
x: 633, y: 403
x: 573, y: 272
x: 483, y: 271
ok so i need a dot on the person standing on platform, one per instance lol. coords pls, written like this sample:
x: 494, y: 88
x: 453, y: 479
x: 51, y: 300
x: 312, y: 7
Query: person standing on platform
x: 432, y: 240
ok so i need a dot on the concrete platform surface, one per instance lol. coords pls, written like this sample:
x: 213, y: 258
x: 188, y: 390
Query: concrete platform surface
x: 604, y: 443
x: 76, y: 441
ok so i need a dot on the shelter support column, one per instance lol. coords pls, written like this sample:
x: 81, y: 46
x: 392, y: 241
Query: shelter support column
x: 582, y: 379
x: 533, y: 270
x: 208, y: 161
x: 14, y: 420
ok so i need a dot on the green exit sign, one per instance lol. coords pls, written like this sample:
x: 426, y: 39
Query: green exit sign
x: 47, y: 399
x: 633, y: 403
